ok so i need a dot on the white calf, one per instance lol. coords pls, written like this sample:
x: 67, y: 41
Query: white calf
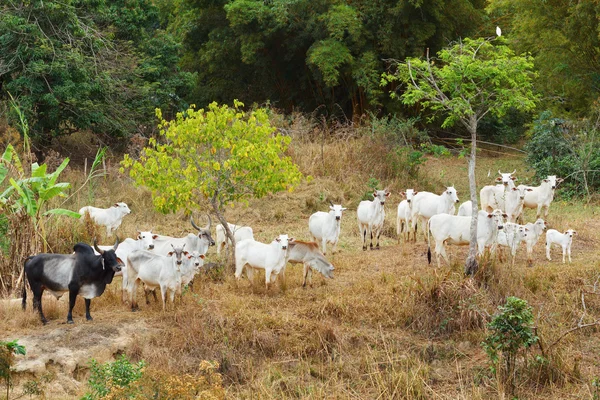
x: 564, y: 240
x: 144, y: 241
x: 239, y: 233
x: 492, y: 197
x: 426, y: 205
x: 195, y: 261
x: 325, y: 227
x: 514, y: 199
x: 371, y: 215
x: 154, y: 271
x: 272, y: 257
x: 111, y: 217
x: 453, y: 229
x: 308, y: 253
x: 466, y: 209
x: 541, y: 197
x: 511, y: 236
x: 534, y: 231
x: 404, y: 217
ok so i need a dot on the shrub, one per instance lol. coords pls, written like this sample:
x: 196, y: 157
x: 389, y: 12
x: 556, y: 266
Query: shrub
x: 114, y: 377
x: 511, y: 332
x: 7, y: 356
x: 568, y: 149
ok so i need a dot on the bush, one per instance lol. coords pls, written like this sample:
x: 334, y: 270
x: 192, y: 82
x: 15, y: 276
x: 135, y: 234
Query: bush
x: 568, y: 149
x: 114, y: 377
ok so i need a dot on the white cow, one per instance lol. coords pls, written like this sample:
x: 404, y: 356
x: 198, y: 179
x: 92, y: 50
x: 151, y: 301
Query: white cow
x: 239, y: 233
x: 534, y: 231
x: 541, y: 197
x: 200, y: 242
x: 453, y: 229
x: 511, y: 236
x: 308, y: 253
x: 466, y: 209
x: 492, y: 197
x: 514, y: 200
x: 191, y: 267
x: 404, y: 217
x: 156, y: 270
x: 371, y: 215
x: 111, y: 217
x: 272, y: 257
x: 325, y: 227
x: 427, y: 204
x: 564, y: 240
x: 144, y: 241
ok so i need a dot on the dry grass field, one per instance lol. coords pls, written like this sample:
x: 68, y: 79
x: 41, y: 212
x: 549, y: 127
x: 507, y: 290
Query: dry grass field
x: 387, y: 326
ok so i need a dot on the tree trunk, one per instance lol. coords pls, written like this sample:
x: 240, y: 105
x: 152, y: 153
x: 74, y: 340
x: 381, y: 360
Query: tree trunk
x: 471, y: 264
x: 228, y: 233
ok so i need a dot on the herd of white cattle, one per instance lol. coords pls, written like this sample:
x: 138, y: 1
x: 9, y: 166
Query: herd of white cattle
x: 169, y: 263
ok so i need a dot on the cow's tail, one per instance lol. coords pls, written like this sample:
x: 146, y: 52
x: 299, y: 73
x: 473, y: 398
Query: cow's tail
x: 24, y: 288
x: 428, y: 244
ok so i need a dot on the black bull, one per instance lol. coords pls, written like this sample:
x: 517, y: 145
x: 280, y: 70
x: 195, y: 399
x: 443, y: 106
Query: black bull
x: 82, y: 273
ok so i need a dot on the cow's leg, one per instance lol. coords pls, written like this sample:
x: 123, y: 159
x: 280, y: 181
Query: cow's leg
x: 364, y: 238
x: 564, y: 249
x: 88, y: 303
x: 539, y: 211
x: 378, y: 235
x: 172, y: 295
x: 239, y: 265
x: 324, y: 243
x: 304, y: 274
x: 133, y: 294
x: 529, y: 255
x: 250, y: 274
x: 548, y: 245
x: 163, y: 294
x: 334, y: 247
x: 73, y: 290
x: 569, y: 252
x: 38, y: 290
x: 423, y: 221
x: 267, y: 277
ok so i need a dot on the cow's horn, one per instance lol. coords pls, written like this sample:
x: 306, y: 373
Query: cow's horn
x: 209, y: 223
x: 99, y: 250
x: 116, y: 244
x: 499, y: 172
x: 514, y: 172
x: 331, y: 202
x: 193, y: 224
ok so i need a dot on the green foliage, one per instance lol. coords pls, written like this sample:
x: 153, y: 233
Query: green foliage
x: 222, y: 154
x: 510, y: 332
x: 466, y: 81
x: 305, y: 54
x: 87, y: 64
x: 567, y: 149
x: 113, y: 376
x: 372, y: 184
x: 8, y: 350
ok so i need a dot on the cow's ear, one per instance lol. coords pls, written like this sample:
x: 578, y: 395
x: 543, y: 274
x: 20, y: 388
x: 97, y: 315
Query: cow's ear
x: 277, y: 239
x: 514, y: 189
x: 403, y: 194
x: 559, y: 180
x: 546, y: 180
x: 170, y: 253
x: 388, y: 194
x: 505, y: 215
x: 490, y: 215
x: 529, y: 189
x: 574, y: 232
x: 116, y: 205
x: 514, y: 178
x: 375, y: 193
x: 415, y: 193
x: 188, y: 256
x: 120, y: 261
x: 202, y: 256
x: 344, y: 208
x: 185, y: 253
x: 498, y: 179
x: 154, y: 237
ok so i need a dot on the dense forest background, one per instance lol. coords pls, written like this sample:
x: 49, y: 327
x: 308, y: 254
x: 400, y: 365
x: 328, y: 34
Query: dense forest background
x: 104, y: 66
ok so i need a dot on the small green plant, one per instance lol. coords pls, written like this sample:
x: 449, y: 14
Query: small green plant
x: 372, y: 184
x: 117, y: 376
x: 8, y: 350
x: 511, y: 333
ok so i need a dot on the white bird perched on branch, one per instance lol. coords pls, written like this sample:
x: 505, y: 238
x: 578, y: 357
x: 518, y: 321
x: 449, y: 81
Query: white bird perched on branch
x: 498, y: 31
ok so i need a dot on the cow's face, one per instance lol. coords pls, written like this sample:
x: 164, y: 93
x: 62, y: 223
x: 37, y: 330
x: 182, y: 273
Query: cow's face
x: 204, y: 233
x: 337, y: 210
x: 196, y: 259
x: 498, y: 217
x: 322, y: 265
x: 147, y: 239
x: 505, y: 178
x: 410, y: 194
x: 381, y: 196
x: 284, y: 242
x: 179, y: 253
x: 570, y: 233
x: 541, y: 223
x: 522, y: 231
x: 123, y: 208
x: 552, y: 181
x: 522, y: 190
x: 452, y: 193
